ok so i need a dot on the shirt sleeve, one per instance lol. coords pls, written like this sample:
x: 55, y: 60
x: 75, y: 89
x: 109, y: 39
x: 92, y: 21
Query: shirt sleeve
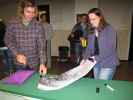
x: 10, y: 38
x: 41, y: 41
x: 112, y: 45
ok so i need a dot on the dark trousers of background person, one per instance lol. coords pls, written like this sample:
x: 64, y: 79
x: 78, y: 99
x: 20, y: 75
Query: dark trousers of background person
x: 7, y: 59
x: 75, y: 52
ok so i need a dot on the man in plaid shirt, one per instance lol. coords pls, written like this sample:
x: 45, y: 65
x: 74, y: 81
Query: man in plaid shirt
x: 25, y: 37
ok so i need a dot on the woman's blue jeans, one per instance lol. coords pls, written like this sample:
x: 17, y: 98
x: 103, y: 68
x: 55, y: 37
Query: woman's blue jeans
x: 103, y: 73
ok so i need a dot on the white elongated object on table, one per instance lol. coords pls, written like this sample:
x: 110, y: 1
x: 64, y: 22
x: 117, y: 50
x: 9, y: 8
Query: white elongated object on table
x: 57, y: 82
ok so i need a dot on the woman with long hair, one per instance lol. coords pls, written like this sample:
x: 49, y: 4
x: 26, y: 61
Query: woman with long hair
x: 102, y: 45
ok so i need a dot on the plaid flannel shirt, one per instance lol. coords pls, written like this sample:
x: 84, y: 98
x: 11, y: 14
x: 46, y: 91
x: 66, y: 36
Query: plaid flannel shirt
x: 28, y: 40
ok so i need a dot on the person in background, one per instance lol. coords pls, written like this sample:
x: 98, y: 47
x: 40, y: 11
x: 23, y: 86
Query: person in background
x: 25, y: 38
x: 6, y: 54
x: 78, y: 19
x: 102, y: 45
x: 49, y: 35
x: 78, y: 32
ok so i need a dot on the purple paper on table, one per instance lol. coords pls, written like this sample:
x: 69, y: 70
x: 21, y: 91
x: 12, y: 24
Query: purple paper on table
x: 18, y: 77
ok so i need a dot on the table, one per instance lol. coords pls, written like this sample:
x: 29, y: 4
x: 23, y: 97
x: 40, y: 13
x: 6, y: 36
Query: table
x: 83, y: 89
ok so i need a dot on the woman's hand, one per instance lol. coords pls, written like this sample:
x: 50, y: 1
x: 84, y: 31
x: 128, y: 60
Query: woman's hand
x: 92, y: 58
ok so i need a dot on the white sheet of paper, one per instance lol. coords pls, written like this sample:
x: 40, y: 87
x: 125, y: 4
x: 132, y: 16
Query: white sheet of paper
x: 66, y: 78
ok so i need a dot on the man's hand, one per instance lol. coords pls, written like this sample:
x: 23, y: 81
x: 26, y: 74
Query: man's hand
x: 42, y: 69
x: 21, y: 59
x: 83, y: 41
x: 72, y: 35
x: 82, y: 38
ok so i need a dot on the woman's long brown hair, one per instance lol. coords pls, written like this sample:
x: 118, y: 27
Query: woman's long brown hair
x: 102, y: 23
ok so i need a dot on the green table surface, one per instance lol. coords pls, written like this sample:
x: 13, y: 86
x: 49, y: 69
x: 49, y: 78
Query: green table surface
x: 83, y: 89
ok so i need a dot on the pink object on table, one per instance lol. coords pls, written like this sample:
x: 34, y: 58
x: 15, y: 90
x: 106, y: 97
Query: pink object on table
x: 18, y: 77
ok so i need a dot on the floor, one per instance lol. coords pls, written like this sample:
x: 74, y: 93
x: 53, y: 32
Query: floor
x: 124, y: 71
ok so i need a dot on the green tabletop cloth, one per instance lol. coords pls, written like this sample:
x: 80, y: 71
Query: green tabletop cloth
x: 83, y: 89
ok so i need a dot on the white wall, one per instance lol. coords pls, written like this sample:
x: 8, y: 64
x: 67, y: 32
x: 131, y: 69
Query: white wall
x: 118, y: 13
x: 63, y: 17
x: 83, y: 6
x: 8, y: 9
